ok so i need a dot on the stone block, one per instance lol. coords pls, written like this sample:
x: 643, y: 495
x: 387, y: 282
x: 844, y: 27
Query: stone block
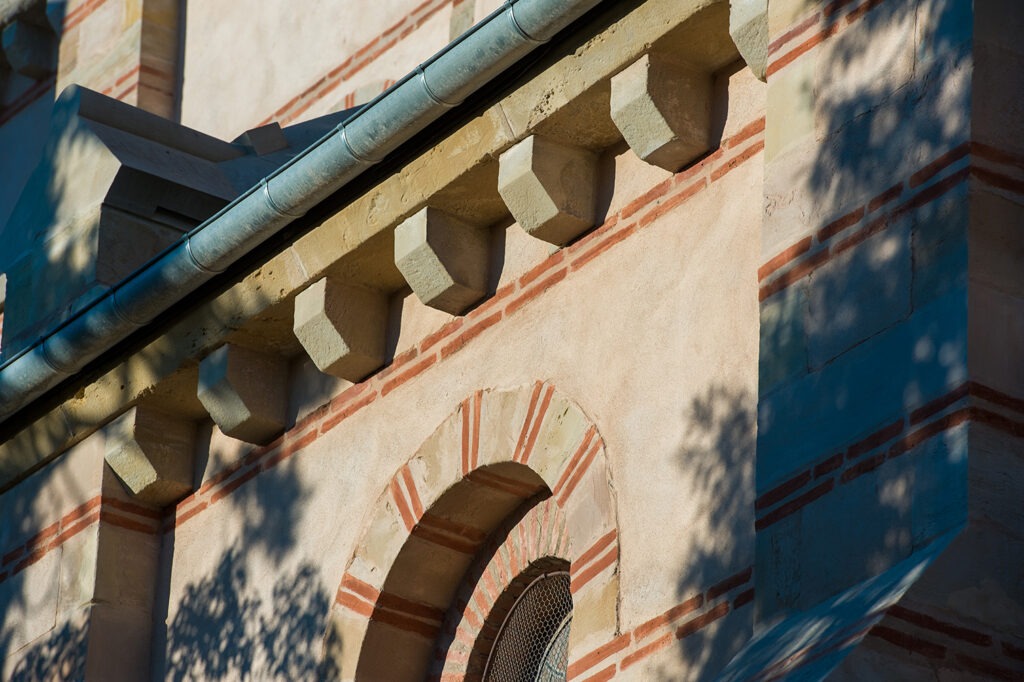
x: 30, y: 49
x: 858, y: 293
x: 342, y: 327
x: 244, y: 392
x: 153, y: 454
x: 663, y: 110
x: 783, y: 348
x: 850, y: 81
x: 549, y: 188
x: 791, y: 101
x: 898, y: 369
x: 996, y: 332
x: 443, y: 259
x: 940, y: 243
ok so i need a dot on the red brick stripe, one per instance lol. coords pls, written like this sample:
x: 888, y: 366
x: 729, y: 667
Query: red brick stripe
x: 597, y: 655
x: 534, y: 419
x: 797, y: 261
x: 890, y: 442
x: 27, y: 98
x: 602, y: 543
x: 787, y: 256
x: 586, y: 574
x: 828, y: 20
x: 651, y: 626
x: 781, y: 492
x: 80, y: 13
x: 414, y: 496
x: 471, y: 432
x: 122, y: 514
x: 730, y: 583
x: 355, y: 63
x: 450, y: 534
x: 911, y: 643
x: 794, y: 32
x: 659, y: 632
x: 402, y: 505
x: 357, y: 596
x: 931, y: 623
x: 578, y: 464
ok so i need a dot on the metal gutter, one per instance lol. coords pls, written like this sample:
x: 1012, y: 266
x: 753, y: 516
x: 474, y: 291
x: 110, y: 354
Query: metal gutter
x: 397, y: 115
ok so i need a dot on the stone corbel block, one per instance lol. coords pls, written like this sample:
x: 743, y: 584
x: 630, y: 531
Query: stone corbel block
x: 444, y: 259
x: 663, y: 110
x: 748, y: 27
x: 342, y: 328
x: 550, y: 188
x: 245, y: 392
x: 153, y: 454
x: 30, y: 49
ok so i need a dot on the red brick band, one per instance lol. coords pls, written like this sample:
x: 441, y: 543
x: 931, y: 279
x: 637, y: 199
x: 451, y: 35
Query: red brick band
x: 889, y: 442
x: 126, y: 515
x: 681, y: 621
x: 830, y: 21
x: 355, y: 63
x: 471, y: 432
x: 799, y: 260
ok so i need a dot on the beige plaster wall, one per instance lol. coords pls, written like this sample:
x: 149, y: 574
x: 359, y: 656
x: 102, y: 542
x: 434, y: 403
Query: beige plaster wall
x: 248, y: 62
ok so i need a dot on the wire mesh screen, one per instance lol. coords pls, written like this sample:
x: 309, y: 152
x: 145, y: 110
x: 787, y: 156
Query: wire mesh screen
x: 533, y: 643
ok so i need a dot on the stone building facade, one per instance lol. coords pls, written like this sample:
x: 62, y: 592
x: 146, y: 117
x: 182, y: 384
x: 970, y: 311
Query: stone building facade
x: 648, y: 339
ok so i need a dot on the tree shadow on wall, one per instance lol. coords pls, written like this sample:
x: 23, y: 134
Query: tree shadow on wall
x: 60, y: 657
x: 871, y: 333
x: 716, y: 457
x: 223, y: 629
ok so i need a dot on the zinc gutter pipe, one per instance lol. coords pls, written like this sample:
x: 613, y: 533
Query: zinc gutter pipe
x: 397, y: 115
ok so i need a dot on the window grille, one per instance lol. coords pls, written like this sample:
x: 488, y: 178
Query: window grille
x: 532, y: 644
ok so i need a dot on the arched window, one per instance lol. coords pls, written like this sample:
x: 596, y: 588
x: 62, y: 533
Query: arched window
x: 532, y: 644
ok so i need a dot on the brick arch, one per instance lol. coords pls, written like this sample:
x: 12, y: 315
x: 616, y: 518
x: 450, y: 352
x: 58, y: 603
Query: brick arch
x: 528, y: 453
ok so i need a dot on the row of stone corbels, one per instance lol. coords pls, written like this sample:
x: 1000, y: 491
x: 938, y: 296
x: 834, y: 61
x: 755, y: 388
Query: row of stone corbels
x: 662, y: 108
x: 28, y: 39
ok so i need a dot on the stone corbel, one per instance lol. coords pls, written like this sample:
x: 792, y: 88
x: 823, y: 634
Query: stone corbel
x: 663, y: 110
x: 549, y: 188
x: 30, y: 49
x: 153, y: 454
x: 748, y: 27
x: 342, y: 327
x: 444, y: 259
x: 245, y: 392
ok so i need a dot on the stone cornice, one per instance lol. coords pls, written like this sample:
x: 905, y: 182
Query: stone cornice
x: 565, y: 98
